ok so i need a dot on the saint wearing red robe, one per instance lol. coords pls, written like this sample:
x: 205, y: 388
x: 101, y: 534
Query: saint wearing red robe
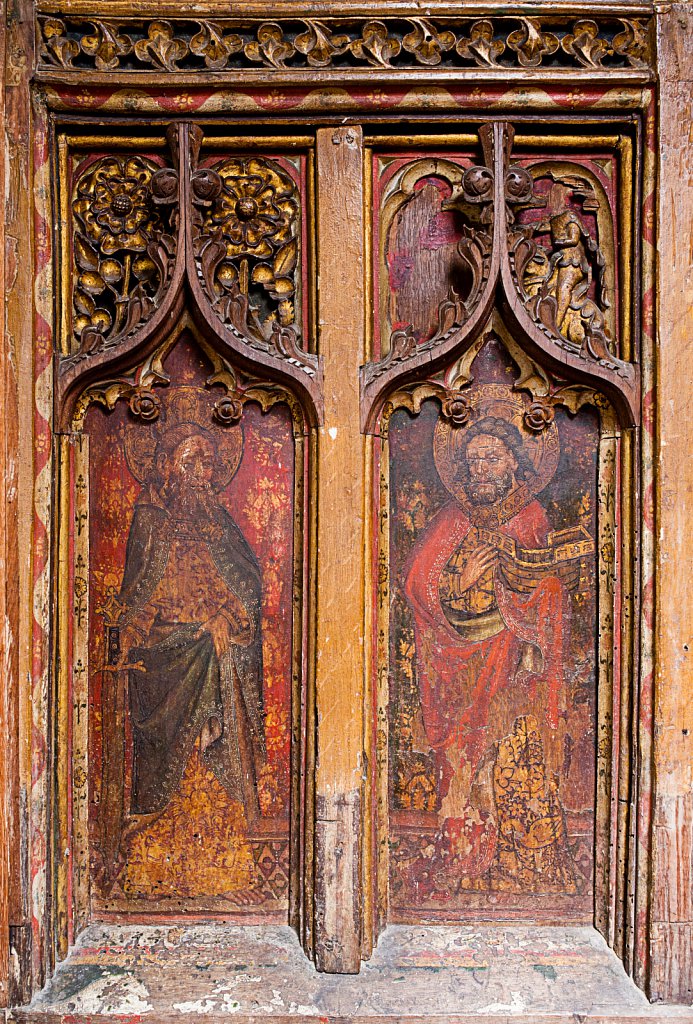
x: 491, y: 643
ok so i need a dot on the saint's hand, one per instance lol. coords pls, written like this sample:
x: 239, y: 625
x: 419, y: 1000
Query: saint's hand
x: 480, y: 561
x: 226, y: 629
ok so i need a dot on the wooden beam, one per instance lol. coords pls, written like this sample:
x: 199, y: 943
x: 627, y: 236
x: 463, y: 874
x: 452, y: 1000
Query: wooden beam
x: 340, y: 583
x: 671, y: 921
x: 16, y: 288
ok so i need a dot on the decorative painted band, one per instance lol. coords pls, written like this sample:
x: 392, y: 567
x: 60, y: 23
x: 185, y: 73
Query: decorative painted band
x: 237, y: 44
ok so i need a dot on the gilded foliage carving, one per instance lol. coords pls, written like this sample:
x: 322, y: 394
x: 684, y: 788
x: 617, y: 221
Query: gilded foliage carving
x: 539, y: 233
x: 481, y: 45
x: 215, y: 45
x: 531, y: 43
x: 376, y: 45
x: 229, y: 227
x: 428, y: 43
x: 106, y: 45
x: 161, y: 47
x: 121, y: 247
x: 247, y: 246
x: 585, y: 43
x: 319, y: 44
x: 293, y: 44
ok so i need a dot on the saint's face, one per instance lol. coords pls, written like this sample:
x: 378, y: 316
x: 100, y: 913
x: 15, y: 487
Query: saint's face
x: 492, y: 469
x: 193, y: 463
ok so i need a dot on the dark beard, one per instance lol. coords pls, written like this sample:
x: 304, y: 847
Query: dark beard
x: 192, y: 503
x: 488, y: 492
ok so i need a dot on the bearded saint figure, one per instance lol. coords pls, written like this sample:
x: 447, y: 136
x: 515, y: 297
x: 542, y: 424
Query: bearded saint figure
x: 480, y: 643
x: 190, y: 638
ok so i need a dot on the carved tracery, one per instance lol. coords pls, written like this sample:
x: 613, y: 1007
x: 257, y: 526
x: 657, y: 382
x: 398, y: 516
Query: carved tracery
x: 538, y: 243
x: 218, y: 237
x: 499, y: 320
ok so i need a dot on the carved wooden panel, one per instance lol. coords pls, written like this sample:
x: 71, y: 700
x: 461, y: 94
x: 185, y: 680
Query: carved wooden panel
x: 492, y: 704
x: 503, y: 337
x: 132, y: 44
x: 136, y: 236
x: 186, y: 398
x: 191, y: 659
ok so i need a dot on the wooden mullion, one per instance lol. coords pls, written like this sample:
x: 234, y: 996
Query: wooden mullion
x: 340, y: 568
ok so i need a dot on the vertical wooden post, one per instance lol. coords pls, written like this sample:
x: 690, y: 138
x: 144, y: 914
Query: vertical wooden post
x: 16, y: 469
x: 671, y: 921
x: 340, y: 584
x: 5, y: 703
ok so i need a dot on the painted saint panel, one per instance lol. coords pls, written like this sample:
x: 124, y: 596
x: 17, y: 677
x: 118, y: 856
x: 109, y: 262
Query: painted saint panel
x: 191, y: 575
x: 492, y: 691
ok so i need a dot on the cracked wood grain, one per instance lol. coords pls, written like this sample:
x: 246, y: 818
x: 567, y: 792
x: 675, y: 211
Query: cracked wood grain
x: 671, y: 925
x: 340, y: 583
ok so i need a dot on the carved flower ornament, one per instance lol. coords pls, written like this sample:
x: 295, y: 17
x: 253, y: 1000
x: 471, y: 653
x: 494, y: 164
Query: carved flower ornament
x: 113, y: 205
x: 255, y: 206
x: 228, y: 409
x: 538, y: 416
x: 457, y: 409
x: 145, y: 404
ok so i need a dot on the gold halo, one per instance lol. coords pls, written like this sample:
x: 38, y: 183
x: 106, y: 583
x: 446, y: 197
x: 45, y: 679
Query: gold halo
x: 189, y: 407
x: 500, y: 401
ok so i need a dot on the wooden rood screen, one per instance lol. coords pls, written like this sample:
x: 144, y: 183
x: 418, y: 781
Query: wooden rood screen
x: 347, y: 466
x: 340, y: 547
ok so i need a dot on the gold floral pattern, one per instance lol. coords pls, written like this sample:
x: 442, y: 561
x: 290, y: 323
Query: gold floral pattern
x: 198, y: 846
x: 113, y: 204
x: 252, y: 224
x: 118, y: 270
x: 533, y: 852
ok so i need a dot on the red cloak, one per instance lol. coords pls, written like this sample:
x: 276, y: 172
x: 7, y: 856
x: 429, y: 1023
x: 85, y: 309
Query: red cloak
x: 457, y: 677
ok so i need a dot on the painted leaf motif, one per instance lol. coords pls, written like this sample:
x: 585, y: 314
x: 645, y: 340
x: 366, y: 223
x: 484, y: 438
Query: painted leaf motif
x: 531, y: 44
x: 319, y: 45
x: 283, y: 287
x: 262, y: 274
x: 270, y: 48
x: 376, y: 45
x: 161, y: 47
x: 632, y: 43
x: 62, y: 49
x: 480, y: 46
x: 106, y: 45
x: 216, y: 48
x: 585, y: 45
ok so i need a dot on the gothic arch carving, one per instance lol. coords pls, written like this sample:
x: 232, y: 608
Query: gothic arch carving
x: 153, y: 240
x: 558, y: 314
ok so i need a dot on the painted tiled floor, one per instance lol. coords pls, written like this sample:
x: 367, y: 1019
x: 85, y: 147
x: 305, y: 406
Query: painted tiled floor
x: 217, y: 970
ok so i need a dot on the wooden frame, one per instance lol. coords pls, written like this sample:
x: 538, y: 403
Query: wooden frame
x: 651, y: 826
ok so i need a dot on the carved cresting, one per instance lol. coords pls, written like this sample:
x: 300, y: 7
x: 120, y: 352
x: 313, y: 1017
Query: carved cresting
x: 530, y: 253
x: 221, y: 240
x: 231, y: 44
